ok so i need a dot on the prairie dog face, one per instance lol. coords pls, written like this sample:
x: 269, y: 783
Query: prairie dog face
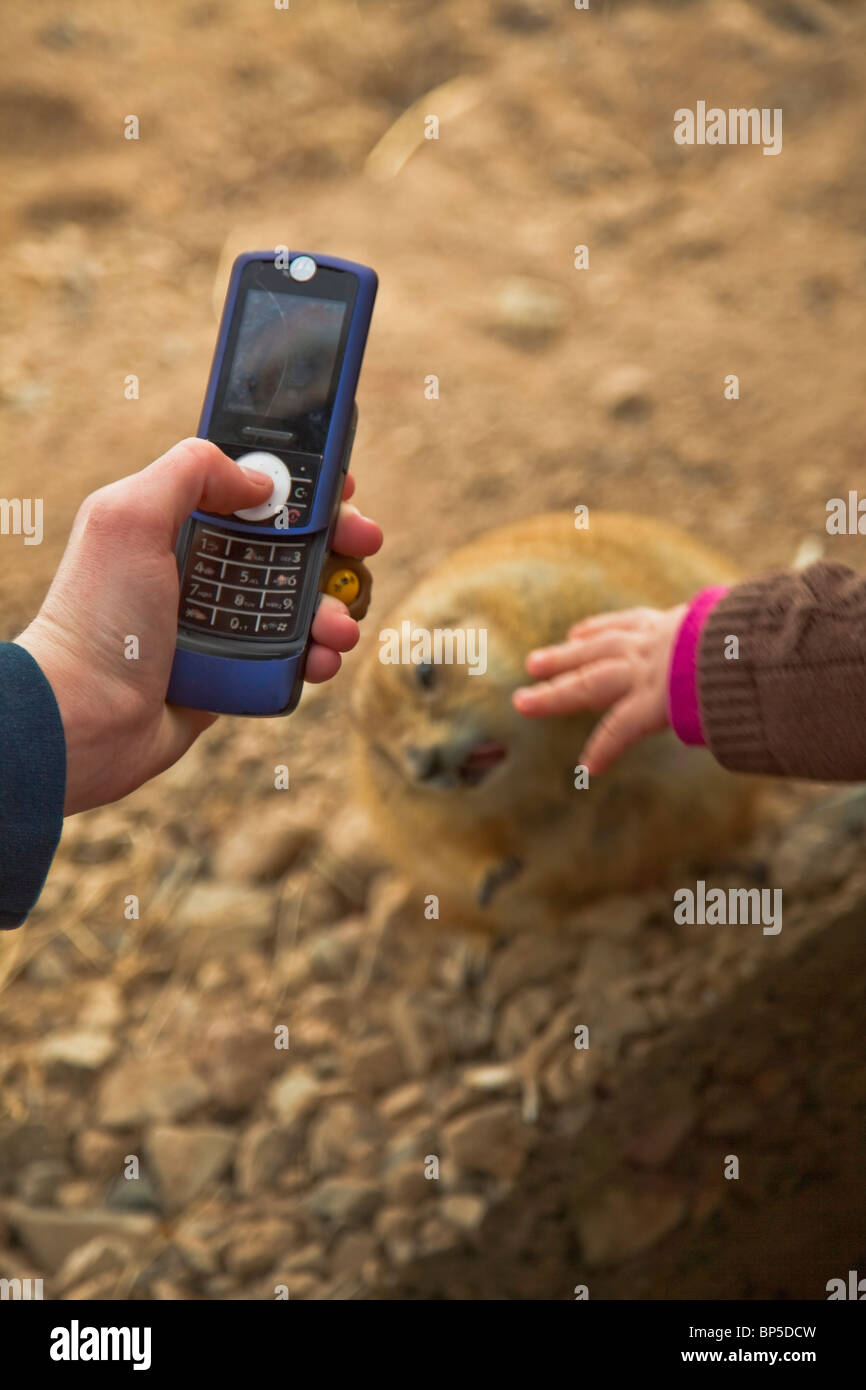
x: 438, y: 724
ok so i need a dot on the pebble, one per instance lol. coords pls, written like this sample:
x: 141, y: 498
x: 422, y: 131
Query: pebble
x: 345, y: 1201
x: 263, y: 1152
x: 260, y: 851
x: 492, y: 1139
x: 100, y: 1257
x: 466, y: 1210
x: 37, y: 1183
x: 149, y: 1088
x: 528, y: 311
x: 50, y: 1236
x: 188, y: 1160
x: 625, y: 394
x: 406, y: 1185
x: 403, y: 1101
x: 81, y: 1050
x: 375, y: 1064
x: 258, y: 1245
x: 293, y: 1097
x: 341, y: 1135
x: 221, y: 919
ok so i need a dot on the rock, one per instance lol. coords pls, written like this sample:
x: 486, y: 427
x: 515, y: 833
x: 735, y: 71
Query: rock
x: 188, y: 1160
x: 80, y: 1192
x: 258, y: 1245
x: 350, y: 853
x: 435, y: 1235
x: 149, y: 1088
x: 259, y: 850
x: 103, y: 1009
x: 24, y: 1143
x: 659, y: 1140
x: 134, y: 1194
x: 310, y: 1259
x: 402, y: 1101
x: 345, y: 1201
x: 352, y: 1251
x: 84, y: 1051
x: 50, y: 1236
x: 819, y: 848
x: 406, y: 1185
x: 529, y: 312
x: 37, y: 1183
x: 234, y: 1057
x: 492, y: 1139
x: 625, y: 394
x: 341, y: 1136
x: 305, y: 1286
x: 375, y: 1064
x: 464, y: 1209
x: 225, y: 918
x: 524, y: 1015
x: 623, y: 1222
x: 102, y: 1256
x: 294, y: 1096
x: 213, y: 975
x: 263, y: 1152
x: 396, y: 1228
x: 527, y: 959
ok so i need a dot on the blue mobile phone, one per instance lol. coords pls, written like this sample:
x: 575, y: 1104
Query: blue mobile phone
x: 281, y: 399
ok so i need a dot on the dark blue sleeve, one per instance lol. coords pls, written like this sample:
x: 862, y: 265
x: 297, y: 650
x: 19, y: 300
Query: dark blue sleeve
x: 32, y: 782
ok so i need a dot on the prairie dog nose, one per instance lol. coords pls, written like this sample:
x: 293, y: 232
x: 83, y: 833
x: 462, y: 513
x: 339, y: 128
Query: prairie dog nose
x: 426, y: 762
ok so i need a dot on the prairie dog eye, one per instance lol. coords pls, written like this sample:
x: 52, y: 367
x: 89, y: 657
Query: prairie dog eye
x: 424, y: 675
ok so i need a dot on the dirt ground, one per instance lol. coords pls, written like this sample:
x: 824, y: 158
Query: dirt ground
x: 154, y: 1038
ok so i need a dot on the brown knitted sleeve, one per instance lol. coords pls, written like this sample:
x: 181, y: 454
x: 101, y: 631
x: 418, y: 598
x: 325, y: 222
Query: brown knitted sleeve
x: 789, y: 695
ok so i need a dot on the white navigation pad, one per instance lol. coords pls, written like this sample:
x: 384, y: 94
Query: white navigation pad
x: 275, y: 469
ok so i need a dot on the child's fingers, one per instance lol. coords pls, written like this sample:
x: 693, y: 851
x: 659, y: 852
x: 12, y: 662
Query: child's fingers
x: 622, y: 726
x: 568, y: 656
x: 627, y: 619
x: 593, y: 687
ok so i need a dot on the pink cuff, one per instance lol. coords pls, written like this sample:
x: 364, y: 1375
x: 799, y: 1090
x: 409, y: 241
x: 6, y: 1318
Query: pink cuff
x: 683, y: 708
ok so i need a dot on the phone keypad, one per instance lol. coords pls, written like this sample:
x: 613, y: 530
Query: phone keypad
x: 241, y: 586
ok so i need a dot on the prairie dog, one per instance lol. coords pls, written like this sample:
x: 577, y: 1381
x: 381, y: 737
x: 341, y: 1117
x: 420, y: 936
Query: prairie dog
x: 476, y: 802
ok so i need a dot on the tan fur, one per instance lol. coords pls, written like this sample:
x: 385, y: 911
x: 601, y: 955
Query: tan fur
x: 526, y: 584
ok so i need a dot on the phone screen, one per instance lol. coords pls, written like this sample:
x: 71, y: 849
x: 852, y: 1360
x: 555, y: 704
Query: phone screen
x: 284, y: 360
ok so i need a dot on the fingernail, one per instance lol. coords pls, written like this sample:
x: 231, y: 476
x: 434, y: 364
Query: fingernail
x: 256, y: 477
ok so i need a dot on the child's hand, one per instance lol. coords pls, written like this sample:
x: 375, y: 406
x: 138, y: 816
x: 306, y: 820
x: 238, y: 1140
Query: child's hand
x: 618, y: 662
x: 118, y: 577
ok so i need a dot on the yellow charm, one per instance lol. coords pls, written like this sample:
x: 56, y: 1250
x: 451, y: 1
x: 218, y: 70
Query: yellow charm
x: 344, y: 585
